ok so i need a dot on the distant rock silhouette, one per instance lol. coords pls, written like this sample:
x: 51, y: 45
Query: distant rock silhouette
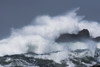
x: 81, y: 36
x: 84, y: 33
x: 97, y: 39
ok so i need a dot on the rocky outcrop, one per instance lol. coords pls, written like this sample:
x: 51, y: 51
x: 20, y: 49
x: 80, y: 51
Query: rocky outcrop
x: 21, y: 60
x: 97, y: 39
x: 33, y: 60
x: 81, y: 36
x: 83, y: 33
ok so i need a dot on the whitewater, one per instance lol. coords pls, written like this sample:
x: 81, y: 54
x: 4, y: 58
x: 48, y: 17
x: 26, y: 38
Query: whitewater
x: 39, y: 37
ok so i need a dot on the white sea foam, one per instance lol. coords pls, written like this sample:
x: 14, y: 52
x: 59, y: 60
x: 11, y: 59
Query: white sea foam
x: 39, y: 37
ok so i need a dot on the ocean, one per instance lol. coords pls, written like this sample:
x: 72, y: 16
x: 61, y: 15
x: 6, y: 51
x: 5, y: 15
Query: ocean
x: 53, y: 41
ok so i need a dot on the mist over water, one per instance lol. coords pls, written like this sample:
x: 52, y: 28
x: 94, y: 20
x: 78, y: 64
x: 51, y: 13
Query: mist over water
x: 40, y: 36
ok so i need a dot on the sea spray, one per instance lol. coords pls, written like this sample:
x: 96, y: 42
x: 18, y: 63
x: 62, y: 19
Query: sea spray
x: 40, y: 37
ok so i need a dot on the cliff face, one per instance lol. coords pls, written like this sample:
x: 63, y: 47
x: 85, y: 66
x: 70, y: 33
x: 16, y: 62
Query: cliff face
x: 81, y: 36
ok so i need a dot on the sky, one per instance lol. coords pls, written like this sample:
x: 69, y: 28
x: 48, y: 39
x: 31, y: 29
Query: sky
x: 18, y: 13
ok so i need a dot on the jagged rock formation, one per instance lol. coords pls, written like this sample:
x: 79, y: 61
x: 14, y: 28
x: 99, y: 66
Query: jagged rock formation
x: 29, y: 60
x: 81, y: 36
x: 21, y: 60
x: 84, y: 33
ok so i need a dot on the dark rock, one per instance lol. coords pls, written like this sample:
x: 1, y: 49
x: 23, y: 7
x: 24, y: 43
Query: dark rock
x: 97, y: 39
x: 21, y: 60
x: 96, y: 66
x: 66, y: 37
x: 84, y: 33
x: 73, y: 37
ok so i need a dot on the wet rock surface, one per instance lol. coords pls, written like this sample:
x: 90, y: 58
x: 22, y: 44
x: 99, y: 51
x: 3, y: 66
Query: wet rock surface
x: 20, y: 60
x: 80, y: 58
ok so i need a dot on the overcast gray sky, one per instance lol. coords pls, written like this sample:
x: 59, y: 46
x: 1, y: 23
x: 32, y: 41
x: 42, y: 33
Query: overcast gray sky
x: 18, y: 13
